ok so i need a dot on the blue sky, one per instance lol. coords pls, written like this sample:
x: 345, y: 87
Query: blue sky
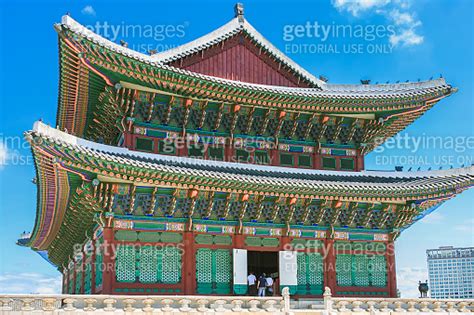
x: 417, y: 40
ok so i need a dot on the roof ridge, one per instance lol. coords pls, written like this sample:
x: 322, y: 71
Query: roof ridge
x: 226, y: 31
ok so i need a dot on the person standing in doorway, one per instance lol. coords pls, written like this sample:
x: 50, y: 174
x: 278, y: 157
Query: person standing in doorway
x: 269, y: 280
x: 252, y: 282
x: 262, y: 285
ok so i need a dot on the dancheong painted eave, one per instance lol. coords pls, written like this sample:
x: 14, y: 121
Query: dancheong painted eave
x: 69, y: 170
x: 90, y: 64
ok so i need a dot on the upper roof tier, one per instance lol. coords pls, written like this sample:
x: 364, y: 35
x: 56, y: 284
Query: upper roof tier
x: 91, y: 64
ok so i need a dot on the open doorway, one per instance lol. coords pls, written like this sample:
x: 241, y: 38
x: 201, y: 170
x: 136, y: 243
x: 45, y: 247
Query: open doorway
x: 263, y: 262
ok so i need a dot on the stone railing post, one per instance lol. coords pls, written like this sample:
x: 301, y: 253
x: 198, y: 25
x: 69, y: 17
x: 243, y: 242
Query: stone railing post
x: 254, y: 305
x: 185, y: 305
x: 327, y: 296
x: 128, y: 305
x: 285, y: 293
x: 5, y: 304
x: 220, y: 305
x: 89, y: 304
x: 148, y: 306
x: 237, y: 305
x: 69, y: 304
x: 269, y: 306
x: 109, y: 305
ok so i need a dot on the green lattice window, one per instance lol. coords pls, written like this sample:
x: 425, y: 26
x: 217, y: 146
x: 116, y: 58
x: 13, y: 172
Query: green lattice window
x: 329, y: 163
x: 196, y: 151
x: 361, y: 270
x: 304, y: 160
x: 310, y: 273
x: 286, y: 159
x: 242, y: 156
x: 347, y: 164
x: 144, y: 144
x: 213, y: 271
x: 166, y: 147
x: 344, y: 270
x: 148, y: 264
x: 378, y: 271
x: 215, y: 153
x: 261, y: 157
x: 360, y: 266
x: 125, y: 264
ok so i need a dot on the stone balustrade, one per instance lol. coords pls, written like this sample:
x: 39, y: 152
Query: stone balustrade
x: 343, y: 305
x: 174, y: 304
x: 133, y: 304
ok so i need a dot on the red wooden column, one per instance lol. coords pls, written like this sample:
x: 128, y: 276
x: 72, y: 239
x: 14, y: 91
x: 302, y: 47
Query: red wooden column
x: 189, y: 263
x: 93, y: 248
x: 108, y: 272
x: 329, y: 264
x: 391, y: 270
x: 359, y: 161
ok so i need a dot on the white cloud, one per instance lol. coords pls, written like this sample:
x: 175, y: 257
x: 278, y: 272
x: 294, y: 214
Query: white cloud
x: 406, y: 38
x: 88, y: 10
x: 407, y: 281
x: 29, y: 283
x: 396, y: 12
x: 356, y: 7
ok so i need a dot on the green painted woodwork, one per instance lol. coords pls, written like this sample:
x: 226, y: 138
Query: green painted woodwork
x: 305, y: 160
x: 262, y: 241
x: 125, y: 264
x: 77, y: 289
x: 329, y: 163
x: 286, y: 159
x: 213, y: 271
x: 215, y: 153
x: 166, y: 147
x: 240, y: 289
x: 148, y: 264
x: 347, y: 164
x: 88, y: 278
x: 242, y: 156
x: 144, y: 144
x: 304, y: 243
x: 126, y: 235
x: 196, y: 151
x: 98, y: 266
x: 361, y: 270
x: 147, y: 290
x: 310, y: 273
x: 207, y: 239
x: 261, y: 157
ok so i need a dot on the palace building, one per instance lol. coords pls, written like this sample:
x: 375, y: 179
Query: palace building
x: 180, y: 172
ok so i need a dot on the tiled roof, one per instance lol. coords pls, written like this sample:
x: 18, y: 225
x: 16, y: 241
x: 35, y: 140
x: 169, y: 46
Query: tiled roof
x: 349, y: 91
x: 266, y: 175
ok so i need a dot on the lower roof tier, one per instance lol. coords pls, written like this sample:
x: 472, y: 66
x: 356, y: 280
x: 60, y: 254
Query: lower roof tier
x: 78, y: 179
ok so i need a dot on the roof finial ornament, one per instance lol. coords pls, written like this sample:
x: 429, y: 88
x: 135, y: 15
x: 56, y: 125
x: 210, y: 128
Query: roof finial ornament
x: 239, y: 11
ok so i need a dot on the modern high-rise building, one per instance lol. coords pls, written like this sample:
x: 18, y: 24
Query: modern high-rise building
x: 451, y: 272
